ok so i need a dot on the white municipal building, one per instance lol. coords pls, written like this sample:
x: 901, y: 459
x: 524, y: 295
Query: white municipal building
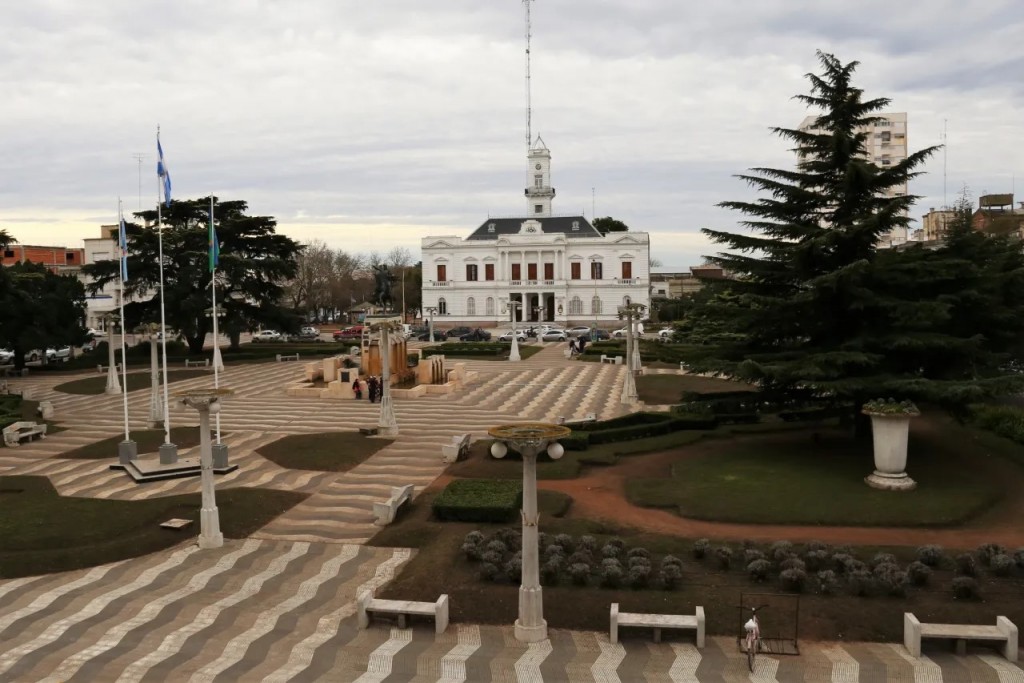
x: 560, y: 268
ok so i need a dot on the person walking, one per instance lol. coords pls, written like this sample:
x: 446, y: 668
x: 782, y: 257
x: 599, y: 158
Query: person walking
x: 572, y: 346
x: 371, y: 387
x: 581, y: 344
x: 357, y: 388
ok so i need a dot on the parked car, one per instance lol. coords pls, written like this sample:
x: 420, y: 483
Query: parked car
x: 62, y: 353
x: 478, y: 334
x: 95, y: 333
x: 578, y: 331
x: 266, y: 336
x: 34, y: 355
x: 309, y: 333
x: 666, y: 334
x: 456, y: 332
x: 507, y: 336
x: 349, y: 333
x: 89, y: 346
x: 638, y: 330
x: 554, y: 334
x: 6, y: 356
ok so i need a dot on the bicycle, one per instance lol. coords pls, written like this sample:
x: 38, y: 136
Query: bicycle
x: 753, y: 635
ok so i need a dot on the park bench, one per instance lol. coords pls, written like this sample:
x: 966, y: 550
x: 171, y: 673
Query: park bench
x: 457, y: 449
x: 689, y: 622
x: 404, y: 608
x: 203, y: 363
x: 1004, y: 630
x: 103, y: 368
x: 586, y: 419
x: 17, y: 432
x: 385, y: 512
x: 287, y: 356
x: 614, y: 360
x: 45, y: 410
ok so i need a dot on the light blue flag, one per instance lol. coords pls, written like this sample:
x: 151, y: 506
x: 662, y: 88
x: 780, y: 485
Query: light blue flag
x: 162, y: 172
x: 122, y: 242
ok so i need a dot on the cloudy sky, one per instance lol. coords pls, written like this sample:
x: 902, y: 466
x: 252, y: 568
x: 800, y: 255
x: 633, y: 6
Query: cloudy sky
x: 370, y: 124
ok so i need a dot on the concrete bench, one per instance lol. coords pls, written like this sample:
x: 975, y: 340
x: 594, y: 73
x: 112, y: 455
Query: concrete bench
x: 689, y: 622
x: 289, y: 356
x: 385, y: 512
x: 615, y: 360
x: 103, y: 368
x: 45, y: 410
x: 17, y: 432
x: 1004, y: 630
x: 404, y: 608
x: 586, y: 419
x: 204, y: 363
x: 457, y: 449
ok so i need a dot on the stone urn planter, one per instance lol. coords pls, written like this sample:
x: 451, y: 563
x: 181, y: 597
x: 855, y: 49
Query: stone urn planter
x: 890, y: 428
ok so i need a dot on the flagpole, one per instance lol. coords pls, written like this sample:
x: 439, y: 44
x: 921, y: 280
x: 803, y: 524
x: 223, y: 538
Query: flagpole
x: 124, y: 356
x: 217, y: 361
x: 163, y: 317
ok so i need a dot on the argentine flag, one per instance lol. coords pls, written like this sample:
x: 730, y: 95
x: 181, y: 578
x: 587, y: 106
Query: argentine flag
x: 162, y: 172
x: 122, y: 242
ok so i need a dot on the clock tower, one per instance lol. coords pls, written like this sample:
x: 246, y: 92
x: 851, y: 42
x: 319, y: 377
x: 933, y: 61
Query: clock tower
x: 539, y: 192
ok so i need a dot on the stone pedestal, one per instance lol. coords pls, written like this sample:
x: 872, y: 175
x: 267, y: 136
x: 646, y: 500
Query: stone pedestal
x: 220, y: 455
x: 127, y: 451
x: 168, y: 454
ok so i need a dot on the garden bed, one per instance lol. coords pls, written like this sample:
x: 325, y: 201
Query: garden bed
x: 135, y: 380
x: 323, y: 451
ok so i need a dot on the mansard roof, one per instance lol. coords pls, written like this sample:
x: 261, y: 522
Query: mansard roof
x: 548, y: 225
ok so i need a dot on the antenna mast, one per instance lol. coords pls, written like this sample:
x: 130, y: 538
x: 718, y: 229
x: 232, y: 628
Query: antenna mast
x: 528, y: 105
x: 139, y: 156
x: 945, y: 148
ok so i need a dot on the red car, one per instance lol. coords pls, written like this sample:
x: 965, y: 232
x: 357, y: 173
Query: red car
x: 354, y: 332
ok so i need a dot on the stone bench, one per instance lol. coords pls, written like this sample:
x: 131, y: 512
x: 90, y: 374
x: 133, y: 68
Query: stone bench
x: 17, y: 432
x: 615, y: 360
x: 457, y: 449
x: 103, y: 368
x: 287, y: 356
x: 1004, y: 631
x: 385, y: 512
x: 586, y: 419
x: 689, y: 622
x: 403, y: 608
x: 204, y: 363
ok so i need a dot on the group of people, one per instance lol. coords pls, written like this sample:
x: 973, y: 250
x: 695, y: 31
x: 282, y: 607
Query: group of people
x: 576, y: 346
x: 374, y: 387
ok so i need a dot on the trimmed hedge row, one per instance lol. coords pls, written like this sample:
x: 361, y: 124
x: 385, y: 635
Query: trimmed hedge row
x: 467, y: 349
x: 637, y: 426
x: 480, y: 500
x: 1004, y: 421
x: 10, y: 410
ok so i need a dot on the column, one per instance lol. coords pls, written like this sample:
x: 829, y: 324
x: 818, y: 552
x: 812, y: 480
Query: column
x: 530, y: 626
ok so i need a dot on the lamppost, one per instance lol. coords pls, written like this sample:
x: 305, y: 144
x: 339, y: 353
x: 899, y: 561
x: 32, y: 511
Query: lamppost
x: 514, y: 306
x: 220, y: 450
x: 206, y: 401
x: 628, y: 311
x: 431, y: 310
x: 218, y: 361
x: 113, y: 383
x: 156, y: 405
x: 387, y: 425
x: 529, y: 440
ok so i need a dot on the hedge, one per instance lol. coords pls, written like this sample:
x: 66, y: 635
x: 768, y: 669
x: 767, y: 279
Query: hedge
x: 480, y: 500
x: 467, y: 349
x: 1005, y: 421
x: 577, y: 441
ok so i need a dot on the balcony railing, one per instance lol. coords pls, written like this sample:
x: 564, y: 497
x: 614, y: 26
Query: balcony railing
x: 440, y: 283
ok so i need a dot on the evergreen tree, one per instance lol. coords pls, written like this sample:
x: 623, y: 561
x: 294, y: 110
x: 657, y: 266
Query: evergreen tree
x: 40, y: 309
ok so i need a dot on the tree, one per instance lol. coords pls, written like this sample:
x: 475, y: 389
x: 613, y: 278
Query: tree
x: 608, y: 224
x: 255, y: 264
x: 5, y: 239
x: 40, y: 309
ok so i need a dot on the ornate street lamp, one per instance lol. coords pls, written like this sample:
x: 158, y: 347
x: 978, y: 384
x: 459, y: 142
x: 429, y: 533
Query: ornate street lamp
x: 387, y: 425
x: 113, y: 383
x: 207, y: 402
x: 629, y: 311
x: 431, y: 310
x: 529, y: 440
x: 514, y: 306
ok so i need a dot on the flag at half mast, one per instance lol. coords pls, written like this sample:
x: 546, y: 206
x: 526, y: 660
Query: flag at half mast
x: 214, y: 245
x: 162, y: 172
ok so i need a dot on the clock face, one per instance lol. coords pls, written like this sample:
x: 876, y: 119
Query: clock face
x: 531, y: 229
x: 537, y: 167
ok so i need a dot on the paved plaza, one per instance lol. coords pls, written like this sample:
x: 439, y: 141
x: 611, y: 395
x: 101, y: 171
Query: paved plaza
x: 280, y: 606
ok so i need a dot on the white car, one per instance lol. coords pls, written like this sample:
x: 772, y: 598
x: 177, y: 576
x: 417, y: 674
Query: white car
x: 638, y: 330
x: 62, y: 353
x: 666, y: 333
x: 507, y: 337
x: 6, y: 356
x: 578, y: 331
x: 95, y: 333
x: 266, y: 336
x: 554, y: 334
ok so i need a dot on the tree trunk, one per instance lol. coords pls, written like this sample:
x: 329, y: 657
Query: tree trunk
x: 195, y: 344
x: 235, y: 337
x: 19, y: 358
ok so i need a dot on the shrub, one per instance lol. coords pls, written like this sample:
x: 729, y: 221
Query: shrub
x: 579, y: 573
x: 883, y: 558
x: 986, y: 551
x: 565, y: 540
x: 554, y: 550
x: 860, y: 582
x: 543, y: 540
x: 638, y: 561
x: 618, y: 543
x: 931, y: 555
x: 497, y: 546
x: 639, y: 575
x: 472, y: 551
x: 611, y: 576
x: 759, y: 569
x: 587, y: 543
x: 1006, y: 421
x: 474, y: 537
x: 700, y: 548
x: 792, y: 562
x: 550, y: 572
x: 514, y: 569
x: 488, y: 571
x: 1018, y: 557
x: 479, y: 500
x: 581, y: 557
x: 843, y: 548
x: 724, y: 555
x: 892, y: 580
x: 492, y: 557
x: 671, y: 560
x: 513, y: 538
x: 919, y: 573
x: 793, y: 580
x: 610, y: 550
x: 827, y: 582
x: 839, y: 561
x: 965, y: 588
x: 780, y: 550
x: 638, y: 552
x: 610, y: 562
x: 966, y: 565
x: 855, y: 565
x: 816, y: 559
x: 816, y: 546
x: 1001, y: 565
x: 751, y: 554
x: 670, y: 575
x: 885, y: 569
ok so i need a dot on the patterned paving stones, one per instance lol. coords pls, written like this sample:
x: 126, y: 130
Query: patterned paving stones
x: 280, y: 606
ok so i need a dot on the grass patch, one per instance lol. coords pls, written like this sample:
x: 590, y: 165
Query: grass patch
x: 146, y: 441
x: 43, y: 532
x: 135, y: 380
x: 793, y: 478
x: 668, y: 389
x: 479, y: 350
x: 479, y: 500
x: 323, y: 452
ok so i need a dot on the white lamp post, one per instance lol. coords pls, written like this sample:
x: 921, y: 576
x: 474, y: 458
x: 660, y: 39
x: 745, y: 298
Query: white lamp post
x: 431, y: 310
x: 529, y: 440
x: 207, y: 402
x: 113, y: 383
x: 628, y: 311
x: 387, y: 425
x: 513, y: 307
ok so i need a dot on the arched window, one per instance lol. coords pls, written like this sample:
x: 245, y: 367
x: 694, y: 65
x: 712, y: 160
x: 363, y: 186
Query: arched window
x: 470, y: 306
x: 626, y: 301
x: 442, y: 306
x: 489, y: 310
x: 575, y: 306
x: 595, y: 305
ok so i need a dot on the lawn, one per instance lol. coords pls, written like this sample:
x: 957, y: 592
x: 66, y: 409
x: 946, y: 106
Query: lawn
x: 146, y: 441
x: 668, y: 389
x: 43, y: 532
x: 800, y: 478
x: 135, y: 380
x: 324, y: 451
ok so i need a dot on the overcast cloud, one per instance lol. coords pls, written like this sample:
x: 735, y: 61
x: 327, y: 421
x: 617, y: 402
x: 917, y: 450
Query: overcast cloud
x: 373, y: 124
